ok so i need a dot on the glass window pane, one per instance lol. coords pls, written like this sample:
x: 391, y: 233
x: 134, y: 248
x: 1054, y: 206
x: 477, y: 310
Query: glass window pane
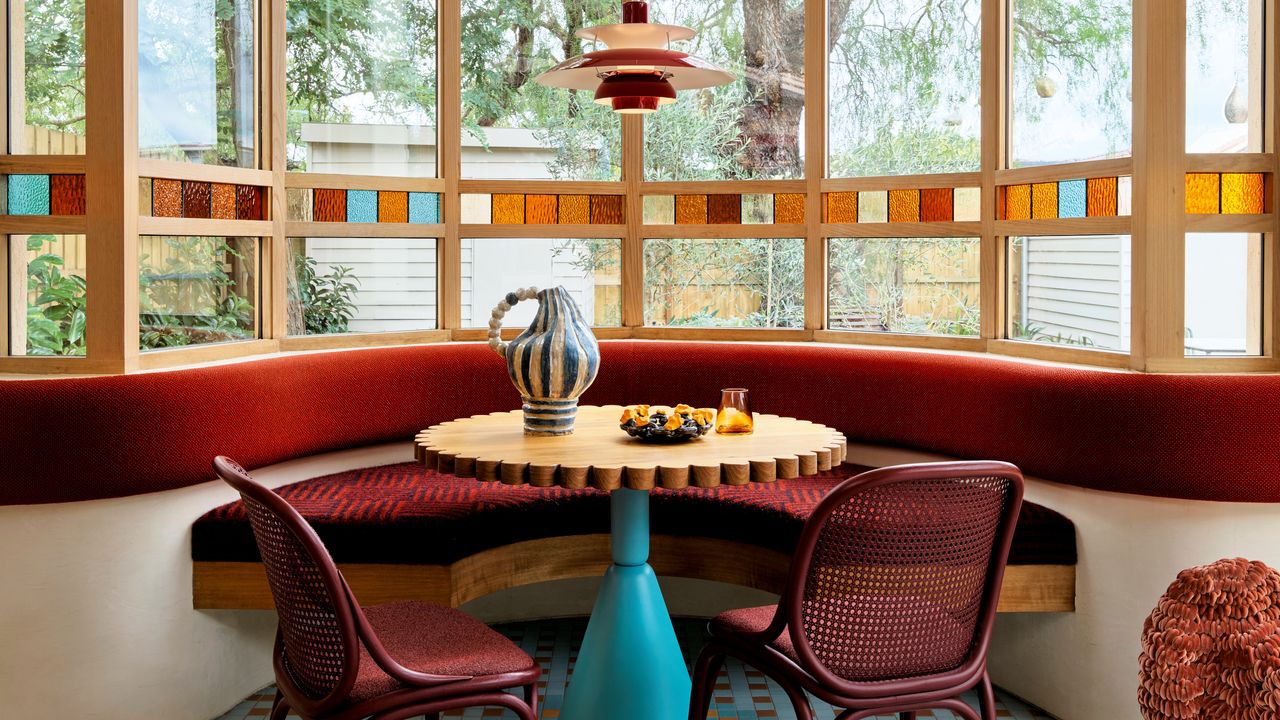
x: 1224, y: 76
x: 362, y: 87
x: 196, y: 290
x: 590, y: 269
x: 903, y: 87
x: 197, y: 98
x: 724, y: 283
x: 46, y: 82
x: 47, y: 291
x: 361, y: 285
x: 514, y: 128
x: 1071, y: 92
x: 751, y: 128
x: 1072, y: 291
x: 1223, y: 294
x: 904, y: 285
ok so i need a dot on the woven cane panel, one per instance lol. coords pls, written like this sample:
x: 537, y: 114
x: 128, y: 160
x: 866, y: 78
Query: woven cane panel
x: 896, y: 582
x: 313, y: 647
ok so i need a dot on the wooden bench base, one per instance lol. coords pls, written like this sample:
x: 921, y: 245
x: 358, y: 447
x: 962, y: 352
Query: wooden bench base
x: 243, y: 585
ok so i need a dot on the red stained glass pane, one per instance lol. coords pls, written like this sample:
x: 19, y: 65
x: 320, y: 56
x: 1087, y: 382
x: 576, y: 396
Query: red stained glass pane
x: 393, y: 206
x: 691, y: 209
x: 1242, y: 193
x: 904, y: 206
x: 607, y: 210
x: 508, y: 209
x: 1100, y: 197
x: 841, y: 207
x: 937, y: 205
x: 788, y: 208
x: 196, y: 199
x: 248, y: 202
x: 166, y: 198
x: 223, y: 201
x: 66, y: 195
x: 329, y: 205
x: 575, y: 209
x: 540, y: 209
x: 724, y: 209
x: 1044, y: 201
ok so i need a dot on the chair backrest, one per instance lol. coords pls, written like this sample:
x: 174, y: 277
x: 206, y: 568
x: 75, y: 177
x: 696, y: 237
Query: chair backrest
x: 317, y: 654
x: 897, y: 575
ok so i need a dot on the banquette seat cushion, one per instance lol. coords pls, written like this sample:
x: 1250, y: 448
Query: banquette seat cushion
x: 407, y: 514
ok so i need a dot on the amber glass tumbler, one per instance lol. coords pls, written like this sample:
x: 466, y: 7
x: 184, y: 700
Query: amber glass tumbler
x: 734, y: 417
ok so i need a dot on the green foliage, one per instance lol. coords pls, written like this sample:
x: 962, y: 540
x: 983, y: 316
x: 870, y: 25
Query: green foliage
x: 1033, y: 332
x: 328, y: 301
x: 56, y: 316
x: 191, y: 297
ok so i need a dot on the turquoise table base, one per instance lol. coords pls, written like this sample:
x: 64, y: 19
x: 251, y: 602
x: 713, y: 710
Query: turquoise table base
x: 630, y: 666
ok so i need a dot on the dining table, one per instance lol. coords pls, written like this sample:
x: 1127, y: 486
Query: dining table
x: 629, y: 666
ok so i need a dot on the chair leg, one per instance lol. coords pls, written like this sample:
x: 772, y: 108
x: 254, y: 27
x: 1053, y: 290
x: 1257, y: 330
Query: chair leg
x: 279, y: 708
x: 531, y: 697
x: 705, y: 671
x: 987, y: 698
x: 908, y: 715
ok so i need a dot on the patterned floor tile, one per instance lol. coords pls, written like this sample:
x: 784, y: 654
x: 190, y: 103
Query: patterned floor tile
x: 741, y: 693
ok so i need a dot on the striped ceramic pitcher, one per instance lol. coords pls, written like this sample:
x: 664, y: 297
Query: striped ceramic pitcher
x: 551, y: 363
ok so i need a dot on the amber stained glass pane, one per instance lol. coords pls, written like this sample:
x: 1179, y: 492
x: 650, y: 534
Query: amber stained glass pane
x: 66, y: 195
x: 691, y: 209
x: 788, y: 208
x: 1242, y: 193
x: 1044, y: 201
x: 166, y: 197
x: 1202, y: 192
x: 248, y: 202
x: 607, y: 210
x: 904, y: 206
x: 196, y: 197
x: 936, y: 205
x: 508, y: 209
x: 223, y: 201
x: 841, y: 207
x: 1017, y: 202
x: 1101, y: 197
x: 540, y: 209
x: 724, y: 209
x: 575, y: 209
x: 393, y: 206
x: 329, y: 205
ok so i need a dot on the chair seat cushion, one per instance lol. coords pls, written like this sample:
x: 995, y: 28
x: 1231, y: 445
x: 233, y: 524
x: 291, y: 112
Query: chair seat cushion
x: 753, y: 620
x: 433, y: 639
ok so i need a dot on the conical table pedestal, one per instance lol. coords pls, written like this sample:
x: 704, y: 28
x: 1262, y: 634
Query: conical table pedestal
x: 630, y: 666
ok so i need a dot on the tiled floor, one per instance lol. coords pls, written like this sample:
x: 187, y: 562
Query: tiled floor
x: 744, y: 694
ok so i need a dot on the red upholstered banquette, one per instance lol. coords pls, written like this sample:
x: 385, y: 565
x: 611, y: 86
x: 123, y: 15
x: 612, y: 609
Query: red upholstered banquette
x: 1183, y: 436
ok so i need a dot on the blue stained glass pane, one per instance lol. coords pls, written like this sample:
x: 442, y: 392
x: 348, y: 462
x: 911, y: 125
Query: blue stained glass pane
x: 28, y: 194
x: 362, y: 206
x: 1071, y: 202
x: 424, y: 208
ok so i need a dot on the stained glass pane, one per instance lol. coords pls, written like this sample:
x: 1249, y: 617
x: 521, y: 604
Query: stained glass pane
x: 476, y: 209
x: 724, y: 283
x: 842, y: 207
x: 196, y: 199
x: 1125, y: 200
x: 724, y: 209
x: 1100, y: 197
x: 508, y: 209
x: 299, y: 200
x: 66, y: 195
x: 1071, y: 79
x: 540, y: 209
x: 196, y: 290
x: 788, y: 208
x: 47, y: 47
x: 936, y: 205
x: 873, y: 207
x: 166, y: 197
x: 47, y: 276
x: 1071, y: 199
x: 607, y: 210
x: 1224, y: 75
x: 1203, y: 193
x: 362, y: 206
x: 1044, y: 200
x: 1070, y: 291
x: 575, y: 209
x: 590, y: 269
x: 392, y: 284
x: 904, y: 206
x: 1242, y: 193
x: 249, y: 202
x: 223, y: 202
x: 905, y: 285
x: 691, y: 209
x: 1017, y: 202
x: 144, y: 196
x: 968, y: 204
x: 659, y: 209
x: 424, y: 208
x: 757, y: 209
x: 1223, y: 289
x: 330, y: 205
x: 393, y: 206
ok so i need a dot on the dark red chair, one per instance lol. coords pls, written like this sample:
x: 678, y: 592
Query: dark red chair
x: 891, y: 596
x: 336, y: 661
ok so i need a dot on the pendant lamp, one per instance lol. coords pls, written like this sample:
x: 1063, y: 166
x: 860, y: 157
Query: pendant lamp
x: 638, y: 72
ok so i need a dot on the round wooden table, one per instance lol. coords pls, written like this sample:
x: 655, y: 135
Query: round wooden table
x: 630, y: 666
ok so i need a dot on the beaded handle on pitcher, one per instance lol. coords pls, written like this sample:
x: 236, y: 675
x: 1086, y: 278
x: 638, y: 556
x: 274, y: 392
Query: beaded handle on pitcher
x: 499, y: 312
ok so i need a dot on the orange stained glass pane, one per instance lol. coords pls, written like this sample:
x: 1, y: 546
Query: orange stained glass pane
x: 1101, y: 197
x: 224, y: 201
x: 393, y: 206
x: 166, y: 197
x: 1202, y: 193
x: 936, y: 205
x: 508, y: 209
x: 840, y: 207
x: 607, y: 210
x: 1044, y: 201
x: 575, y: 209
x: 691, y: 209
x: 904, y: 206
x: 540, y: 209
x: 788, y: 208
x: 724, y: 209
x: 1017, y: 202
x: 1242, y: 193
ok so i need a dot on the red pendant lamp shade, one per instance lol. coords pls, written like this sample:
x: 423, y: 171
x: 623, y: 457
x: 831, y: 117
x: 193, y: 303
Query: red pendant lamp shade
x: 638, y: 72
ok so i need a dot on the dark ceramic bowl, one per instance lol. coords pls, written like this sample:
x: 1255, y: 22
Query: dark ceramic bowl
x: 656, y: 432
